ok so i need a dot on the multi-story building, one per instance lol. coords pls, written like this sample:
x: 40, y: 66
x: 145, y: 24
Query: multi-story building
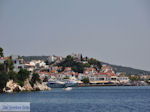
x: 51, y: 58
x: 18, y: 63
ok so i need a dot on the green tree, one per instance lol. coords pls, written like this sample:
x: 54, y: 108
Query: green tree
x: 81, y: 57
x: 1, y: 52
x: 3, y: 80
x: 95, y: 63
x: 86, y: 58
x: 45, y: 79
x: 78, y: 67
x: 9, y: 65
x: 13, y: 76
x: 22, y: 75
x: 35, y: 78
x: 85, y: 80
x: 1, y: 67
x: 87, y: 65
x: 70, y: 62
x: 134, y: 78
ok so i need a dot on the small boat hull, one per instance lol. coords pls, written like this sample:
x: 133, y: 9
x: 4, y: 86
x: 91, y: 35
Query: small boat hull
x: 60, y: 84
x: 55, y: 85
x: 68, y: 89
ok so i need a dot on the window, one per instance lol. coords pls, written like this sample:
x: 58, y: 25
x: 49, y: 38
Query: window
x: 20, y: 62
x: 101, y: 79
x: 113, y: 79
x: 19, y: 67
x: 15, y: 61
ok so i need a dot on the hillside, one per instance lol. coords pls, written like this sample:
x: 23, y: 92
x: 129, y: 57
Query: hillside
x: 128, y: 70
x: 29, y: 58
x: 117, y: 68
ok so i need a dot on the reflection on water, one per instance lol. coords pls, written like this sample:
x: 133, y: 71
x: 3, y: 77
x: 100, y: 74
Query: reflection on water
x: 85, y: 99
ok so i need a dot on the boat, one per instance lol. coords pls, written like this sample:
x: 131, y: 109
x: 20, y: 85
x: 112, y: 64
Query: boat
x: 62, y: 83
x: 55, y: 84
x: 71, y: 83
x: 68, y: 88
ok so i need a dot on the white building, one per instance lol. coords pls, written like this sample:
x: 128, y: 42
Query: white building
x: 38, y: 63
x: 123, y: 79
x: 29, y: 67
x: 51, y: 58
x: 76, y: 56
x: 18, y: 63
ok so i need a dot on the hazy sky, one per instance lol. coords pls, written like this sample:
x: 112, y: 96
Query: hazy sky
x: 114, y: 31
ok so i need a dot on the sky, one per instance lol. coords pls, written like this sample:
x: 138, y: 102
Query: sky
x: 113, y: 31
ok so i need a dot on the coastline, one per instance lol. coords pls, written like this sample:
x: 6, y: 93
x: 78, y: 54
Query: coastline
x: 79, y: 85
x: 12, y: 87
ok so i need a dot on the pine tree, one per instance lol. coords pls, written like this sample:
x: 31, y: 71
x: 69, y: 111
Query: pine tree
x: 1, y: 52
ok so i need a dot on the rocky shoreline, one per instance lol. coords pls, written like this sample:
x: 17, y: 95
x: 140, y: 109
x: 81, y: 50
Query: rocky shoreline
x: 12, y: 86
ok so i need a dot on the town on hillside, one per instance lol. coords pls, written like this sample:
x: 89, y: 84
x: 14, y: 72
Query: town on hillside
x: 72, y: 70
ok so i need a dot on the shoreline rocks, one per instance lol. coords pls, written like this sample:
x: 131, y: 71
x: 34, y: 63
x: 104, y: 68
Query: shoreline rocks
x: 40, y: 86
x: 12, y: 86
x: 27, y: 86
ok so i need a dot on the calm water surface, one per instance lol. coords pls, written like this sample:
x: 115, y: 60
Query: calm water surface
x: 85, y: 99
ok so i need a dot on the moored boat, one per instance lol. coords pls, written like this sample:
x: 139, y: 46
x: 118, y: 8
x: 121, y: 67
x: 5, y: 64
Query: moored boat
x: 68, y: 88
x: 71, y: 83
x: 55, y: 84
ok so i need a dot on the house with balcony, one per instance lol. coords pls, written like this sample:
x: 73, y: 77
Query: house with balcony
x: 18, y: 63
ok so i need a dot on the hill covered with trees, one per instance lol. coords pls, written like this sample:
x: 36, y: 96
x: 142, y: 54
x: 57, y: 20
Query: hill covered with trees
x: 29, y: 58
x: 128, y: 70
x: 117, y: 68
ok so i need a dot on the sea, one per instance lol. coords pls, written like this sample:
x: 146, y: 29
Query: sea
x: 85, y: 99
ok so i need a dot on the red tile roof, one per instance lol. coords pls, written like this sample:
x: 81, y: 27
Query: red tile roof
x: 4, y: 58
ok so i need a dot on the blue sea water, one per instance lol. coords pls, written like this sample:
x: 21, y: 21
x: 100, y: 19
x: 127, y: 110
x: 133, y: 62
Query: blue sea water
x: 86, y: 99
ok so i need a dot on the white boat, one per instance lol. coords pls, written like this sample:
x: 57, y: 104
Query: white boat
x: 62, y: 83
x: 68, y: 88
x: 55, y: 84
x: 70, y: 83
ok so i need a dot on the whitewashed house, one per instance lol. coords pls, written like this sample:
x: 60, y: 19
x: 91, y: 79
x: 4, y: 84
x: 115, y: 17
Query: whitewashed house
x: 18, y: 63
